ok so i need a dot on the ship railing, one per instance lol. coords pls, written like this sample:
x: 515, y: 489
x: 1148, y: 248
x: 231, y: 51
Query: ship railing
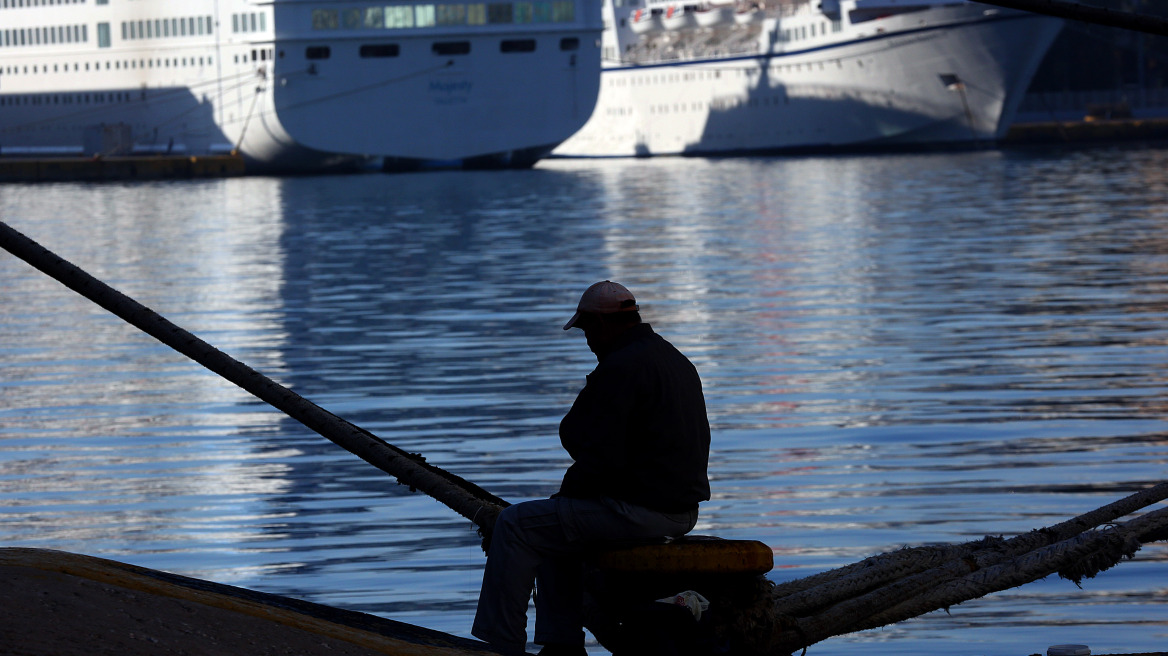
x: 772, y: 8
x: 664, y: 53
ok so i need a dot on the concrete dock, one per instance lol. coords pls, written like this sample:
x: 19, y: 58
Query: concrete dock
x: 63, y: 604
x: 121, y: 167
x: 1088, y: 131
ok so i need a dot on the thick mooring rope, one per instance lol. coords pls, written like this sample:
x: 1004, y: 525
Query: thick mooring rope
x: 458, y: 494
x: 900, y: 585
x: 804, y: 596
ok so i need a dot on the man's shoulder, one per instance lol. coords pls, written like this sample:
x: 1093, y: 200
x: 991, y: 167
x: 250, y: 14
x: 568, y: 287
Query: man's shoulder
x: 639, y: 341
x: 645, y: 349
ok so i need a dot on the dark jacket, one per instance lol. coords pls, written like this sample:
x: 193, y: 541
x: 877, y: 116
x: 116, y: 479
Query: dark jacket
x: 638, y: 431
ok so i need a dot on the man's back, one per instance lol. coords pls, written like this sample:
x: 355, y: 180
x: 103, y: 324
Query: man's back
x: 638, y: 430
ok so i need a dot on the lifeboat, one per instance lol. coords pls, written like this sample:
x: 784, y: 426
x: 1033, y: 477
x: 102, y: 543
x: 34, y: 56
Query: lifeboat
x: 713, y: 16
x: 747, y: 15
x: 644, y: 20
x: 675, y: 17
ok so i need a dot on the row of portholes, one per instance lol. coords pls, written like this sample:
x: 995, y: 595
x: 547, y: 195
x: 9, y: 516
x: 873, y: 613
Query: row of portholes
x: 666, y: 78
x: 67, y: 99
x: 77, y: 67
x: 443, y: 48
x: 22, y: 4
x: 719, y: 105
x: 698, y: 75
x: 263, y: 54
x: 35, y: 36
x: 712, y: 105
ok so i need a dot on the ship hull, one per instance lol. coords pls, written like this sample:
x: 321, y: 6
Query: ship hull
x: 947, y: 76
x: 293, y: 86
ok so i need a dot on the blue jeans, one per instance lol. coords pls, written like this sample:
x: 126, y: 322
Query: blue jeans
x: 540, y: 542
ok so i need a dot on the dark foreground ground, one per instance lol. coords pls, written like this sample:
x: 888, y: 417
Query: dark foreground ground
x: 59, y: 604
x: 54, y: 603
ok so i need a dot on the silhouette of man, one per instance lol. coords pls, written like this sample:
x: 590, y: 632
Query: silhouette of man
x: 640, y: 442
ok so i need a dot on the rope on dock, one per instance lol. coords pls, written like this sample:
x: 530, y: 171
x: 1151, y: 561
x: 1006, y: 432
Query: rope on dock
x: 411, y: 469
x: 899, y: 585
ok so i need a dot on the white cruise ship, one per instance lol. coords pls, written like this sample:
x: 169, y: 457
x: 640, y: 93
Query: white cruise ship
x: 298, y: 84
x: 698, y: 79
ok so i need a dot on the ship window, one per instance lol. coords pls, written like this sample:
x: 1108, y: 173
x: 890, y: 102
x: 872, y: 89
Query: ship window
x: 374, y: 17
x: 317, y: 52
x: 424, y: 15
x: 522, y: 12
x: 476, y: 14
x: 570, y: 43
x: 499, y: 12
x: 380, y: 50
x: 399, y: 17
x: 103, y: 35
x: 325, y: 19
x: 451, y: 14
x: 517, y: 45
x: 563, y: 11
x: 451, y: 48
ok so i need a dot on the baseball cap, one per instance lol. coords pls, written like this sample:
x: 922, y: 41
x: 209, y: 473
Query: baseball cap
x: 605, y: 297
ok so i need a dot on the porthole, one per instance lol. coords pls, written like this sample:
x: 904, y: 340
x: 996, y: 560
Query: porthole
x: 451, y: 48
x: 517, y: 45
x: 380, y: 50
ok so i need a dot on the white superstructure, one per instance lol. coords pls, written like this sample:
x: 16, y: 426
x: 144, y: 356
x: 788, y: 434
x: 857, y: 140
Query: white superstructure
x: 298, y: 84
x: 682, y: 78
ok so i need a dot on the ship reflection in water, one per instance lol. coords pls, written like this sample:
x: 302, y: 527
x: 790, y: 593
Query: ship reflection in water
x: 896, y: 350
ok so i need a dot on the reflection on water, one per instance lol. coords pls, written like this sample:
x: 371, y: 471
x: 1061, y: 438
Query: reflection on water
x: 896, y: 351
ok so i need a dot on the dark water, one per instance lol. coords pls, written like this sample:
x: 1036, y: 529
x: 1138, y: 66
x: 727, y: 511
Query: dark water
x: 897, y: 350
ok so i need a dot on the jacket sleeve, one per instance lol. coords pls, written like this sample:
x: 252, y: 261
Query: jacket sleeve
x: 596, y: 433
